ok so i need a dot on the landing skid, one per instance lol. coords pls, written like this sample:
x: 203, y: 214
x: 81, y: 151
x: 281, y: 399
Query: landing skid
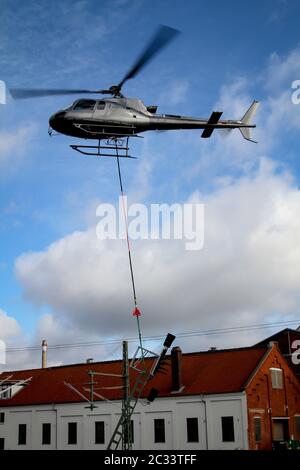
x: 114, y: 147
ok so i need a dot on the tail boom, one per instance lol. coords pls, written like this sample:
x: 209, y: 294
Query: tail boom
x: 244, y: 124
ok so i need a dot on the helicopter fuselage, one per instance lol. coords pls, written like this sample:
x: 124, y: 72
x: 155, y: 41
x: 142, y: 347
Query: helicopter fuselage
x: 123, y: 117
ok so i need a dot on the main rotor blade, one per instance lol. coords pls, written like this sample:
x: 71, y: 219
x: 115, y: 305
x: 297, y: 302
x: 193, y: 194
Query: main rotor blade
x: 22, y: 93
x: 161, y: 38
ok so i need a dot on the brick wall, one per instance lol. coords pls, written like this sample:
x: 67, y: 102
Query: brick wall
x: 265, y: 402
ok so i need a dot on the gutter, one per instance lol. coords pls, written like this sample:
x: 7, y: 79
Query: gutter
x: 205, y: 418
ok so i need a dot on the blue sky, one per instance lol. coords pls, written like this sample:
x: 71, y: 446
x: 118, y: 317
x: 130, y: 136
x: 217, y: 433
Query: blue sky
x: 227, y: 54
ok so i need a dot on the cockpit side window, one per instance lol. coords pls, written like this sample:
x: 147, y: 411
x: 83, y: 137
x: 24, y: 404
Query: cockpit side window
x: 84, y: 105
x: 101, y: 105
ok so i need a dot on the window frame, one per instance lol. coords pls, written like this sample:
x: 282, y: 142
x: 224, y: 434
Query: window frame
x: 103, y: 106
x: 77, y: 107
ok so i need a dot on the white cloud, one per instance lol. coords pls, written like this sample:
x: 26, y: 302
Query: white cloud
x: 248, y: 270
x: 281, y: 71
x: 66, y: 343
x: 13, y: 146
x: 9, y: 327
x: 12, y: 336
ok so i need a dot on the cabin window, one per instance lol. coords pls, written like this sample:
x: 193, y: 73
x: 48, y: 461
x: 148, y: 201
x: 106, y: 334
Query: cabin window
x: 84, y: 105
x: 2, y: 418
x: 101, y: 105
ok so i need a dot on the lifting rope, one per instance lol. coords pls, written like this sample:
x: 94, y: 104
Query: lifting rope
x: 136, y: 311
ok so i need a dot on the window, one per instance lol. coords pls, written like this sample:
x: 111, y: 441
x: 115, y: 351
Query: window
x: 276, y: 378
x: 22, y: 434
x: 131, y: 431
x: 99, y: 432
x: 101, y: 105
x: 72, y: 433
x: 46, y: 434
x: 227, y: 429
x: 84, y: 105
x: 5, y: 391
x: 257, y: 428
x: 297, y: 424
x: 2, y: 418
x: 192, y: 429
x: 159, y: 430
x: 280, y: 429
x: 1, y: 443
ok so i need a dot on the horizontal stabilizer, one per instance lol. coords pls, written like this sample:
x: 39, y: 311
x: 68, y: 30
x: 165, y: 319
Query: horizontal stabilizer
x: 214, y: 119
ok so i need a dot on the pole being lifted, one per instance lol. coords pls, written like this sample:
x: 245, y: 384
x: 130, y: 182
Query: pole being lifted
x: 126, y: 425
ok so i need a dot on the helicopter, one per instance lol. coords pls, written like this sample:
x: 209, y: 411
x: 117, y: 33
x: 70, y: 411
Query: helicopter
x: 116, y: 119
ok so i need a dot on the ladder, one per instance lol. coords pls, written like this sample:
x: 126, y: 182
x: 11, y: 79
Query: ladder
x: 120, y: 430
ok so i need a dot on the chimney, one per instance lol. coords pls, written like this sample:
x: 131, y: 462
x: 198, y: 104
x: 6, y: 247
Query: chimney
x: 176, y: 356
x: 44, y: 353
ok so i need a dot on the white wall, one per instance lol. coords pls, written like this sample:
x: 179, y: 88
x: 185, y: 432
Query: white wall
x: 216, y: 408
x: 174, y: 410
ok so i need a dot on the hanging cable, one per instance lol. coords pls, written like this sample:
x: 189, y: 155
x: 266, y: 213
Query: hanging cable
x: 136, y: 311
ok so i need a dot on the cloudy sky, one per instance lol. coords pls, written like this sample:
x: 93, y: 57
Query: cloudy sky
x: 57, y: 280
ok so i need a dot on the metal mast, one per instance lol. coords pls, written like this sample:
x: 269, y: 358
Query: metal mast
x: 126, y: 422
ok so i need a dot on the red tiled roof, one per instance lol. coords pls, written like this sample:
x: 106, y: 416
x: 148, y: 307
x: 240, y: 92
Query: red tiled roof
x: 222, y: 371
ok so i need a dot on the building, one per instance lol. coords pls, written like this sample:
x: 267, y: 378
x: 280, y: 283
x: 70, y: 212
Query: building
x: 289, y: 344
x: 218, y: 399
